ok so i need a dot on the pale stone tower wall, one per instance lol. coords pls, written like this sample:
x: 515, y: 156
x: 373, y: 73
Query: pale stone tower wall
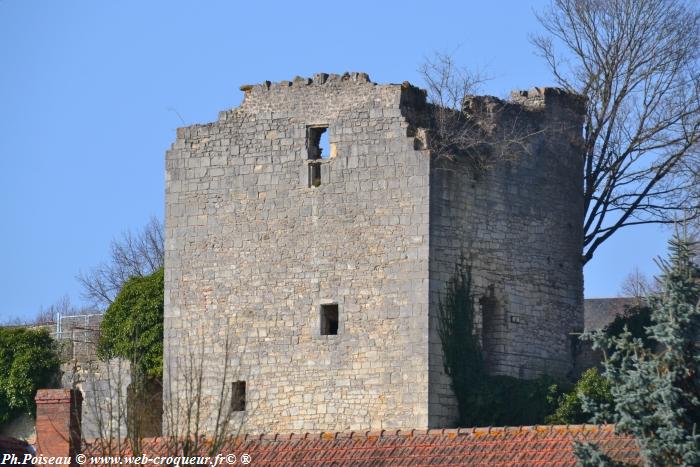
x: 254, y: 250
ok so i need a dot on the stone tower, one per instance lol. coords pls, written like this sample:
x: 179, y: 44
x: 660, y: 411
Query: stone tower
x: 305, y: 276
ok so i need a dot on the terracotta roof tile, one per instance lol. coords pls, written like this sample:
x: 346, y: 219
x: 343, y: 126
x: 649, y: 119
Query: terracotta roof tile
x: 513, y: 446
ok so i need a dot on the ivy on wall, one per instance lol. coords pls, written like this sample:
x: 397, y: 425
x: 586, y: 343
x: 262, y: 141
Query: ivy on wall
x: 462, y: 356
x: 484, y: 400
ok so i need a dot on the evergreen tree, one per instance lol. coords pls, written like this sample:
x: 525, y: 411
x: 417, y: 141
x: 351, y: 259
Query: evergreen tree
x: 29, y: 360
x: 656, y: 391
x: 133, y: 325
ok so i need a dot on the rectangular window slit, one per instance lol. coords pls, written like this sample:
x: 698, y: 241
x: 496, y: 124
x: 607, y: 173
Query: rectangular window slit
x: 317, y: 149
x: 329, y: 319
x: 314, y: 174
x: 238, y: 396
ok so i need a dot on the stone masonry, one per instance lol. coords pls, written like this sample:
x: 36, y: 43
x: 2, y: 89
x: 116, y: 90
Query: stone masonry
x: 304, y: 286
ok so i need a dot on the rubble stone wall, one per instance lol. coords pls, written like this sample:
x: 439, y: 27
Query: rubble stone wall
x: 260, y: 234
x: 253, y: 251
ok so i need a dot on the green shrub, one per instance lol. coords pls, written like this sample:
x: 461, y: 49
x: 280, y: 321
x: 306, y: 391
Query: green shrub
x: 569, y: 406
x: 508, y: 401
x: 28, y: 361
x: 133, y: 325
x: 592, y: 385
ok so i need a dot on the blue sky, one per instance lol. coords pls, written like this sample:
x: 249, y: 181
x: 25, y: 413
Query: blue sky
x: 89, y: 93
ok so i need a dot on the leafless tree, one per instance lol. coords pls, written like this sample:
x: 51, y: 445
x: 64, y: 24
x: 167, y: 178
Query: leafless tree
x: 63, y: 306
x: 637, y: 285
x: 196, y: 421
x: 693, y: 231
x: 104, y: 421
x: 134, y: 254
x: 461, y: 124
x: 636, y: 62
x: 48, y: 315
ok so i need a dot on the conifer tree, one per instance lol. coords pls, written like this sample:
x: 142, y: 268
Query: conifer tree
x: 656, y: 391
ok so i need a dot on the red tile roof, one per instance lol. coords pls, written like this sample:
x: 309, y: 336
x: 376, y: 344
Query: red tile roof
x: 521, y: 446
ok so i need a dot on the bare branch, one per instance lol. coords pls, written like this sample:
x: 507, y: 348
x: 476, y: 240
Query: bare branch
x: 637, y: 285
x: 134, y: 254
x: 636, y: 61
x: 462, y: 125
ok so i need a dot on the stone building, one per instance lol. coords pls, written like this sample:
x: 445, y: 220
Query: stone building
x: 303, y: 278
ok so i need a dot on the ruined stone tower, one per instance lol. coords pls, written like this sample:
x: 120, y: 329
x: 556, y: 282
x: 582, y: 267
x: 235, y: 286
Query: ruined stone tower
x: 323, y: 267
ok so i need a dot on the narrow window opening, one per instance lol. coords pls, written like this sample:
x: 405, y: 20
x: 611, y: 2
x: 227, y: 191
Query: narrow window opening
x: 317, y: 144
x: 329, y: 319
x: 314, y: 174
x: 238, y: 396
x: 317, y: 149
x: 491, y: 325
x: 575, y: 343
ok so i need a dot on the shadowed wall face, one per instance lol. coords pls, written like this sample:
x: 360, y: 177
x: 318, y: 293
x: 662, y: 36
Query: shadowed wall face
x: 517, y: 224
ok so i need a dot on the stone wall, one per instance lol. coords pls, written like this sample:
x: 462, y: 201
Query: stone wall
x: 78, y: 335
x: 517, y: 224
x: 103, y: 385
x: 598, y: 314
x: 261, y: 233
x: 253, y: 251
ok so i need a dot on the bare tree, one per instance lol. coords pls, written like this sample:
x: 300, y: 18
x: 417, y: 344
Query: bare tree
x: 134, y: 254
x: 198, y: 421
x: 50, y: 314
x: 461, y: 124
x: 451, y: 130
x: 63, y: 306
x: 637, y: 285
x: 636, y: 62
x: 693, y: 235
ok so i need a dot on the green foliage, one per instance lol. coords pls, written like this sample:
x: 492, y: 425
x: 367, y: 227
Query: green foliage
x: 569, y: 406
x: 593, y: 386
x: 483, y: 400
x: 28, y: 361
x: 656, y: 392
x: 462, y: 354
x: 508, y: 401
x: 133, y: 325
